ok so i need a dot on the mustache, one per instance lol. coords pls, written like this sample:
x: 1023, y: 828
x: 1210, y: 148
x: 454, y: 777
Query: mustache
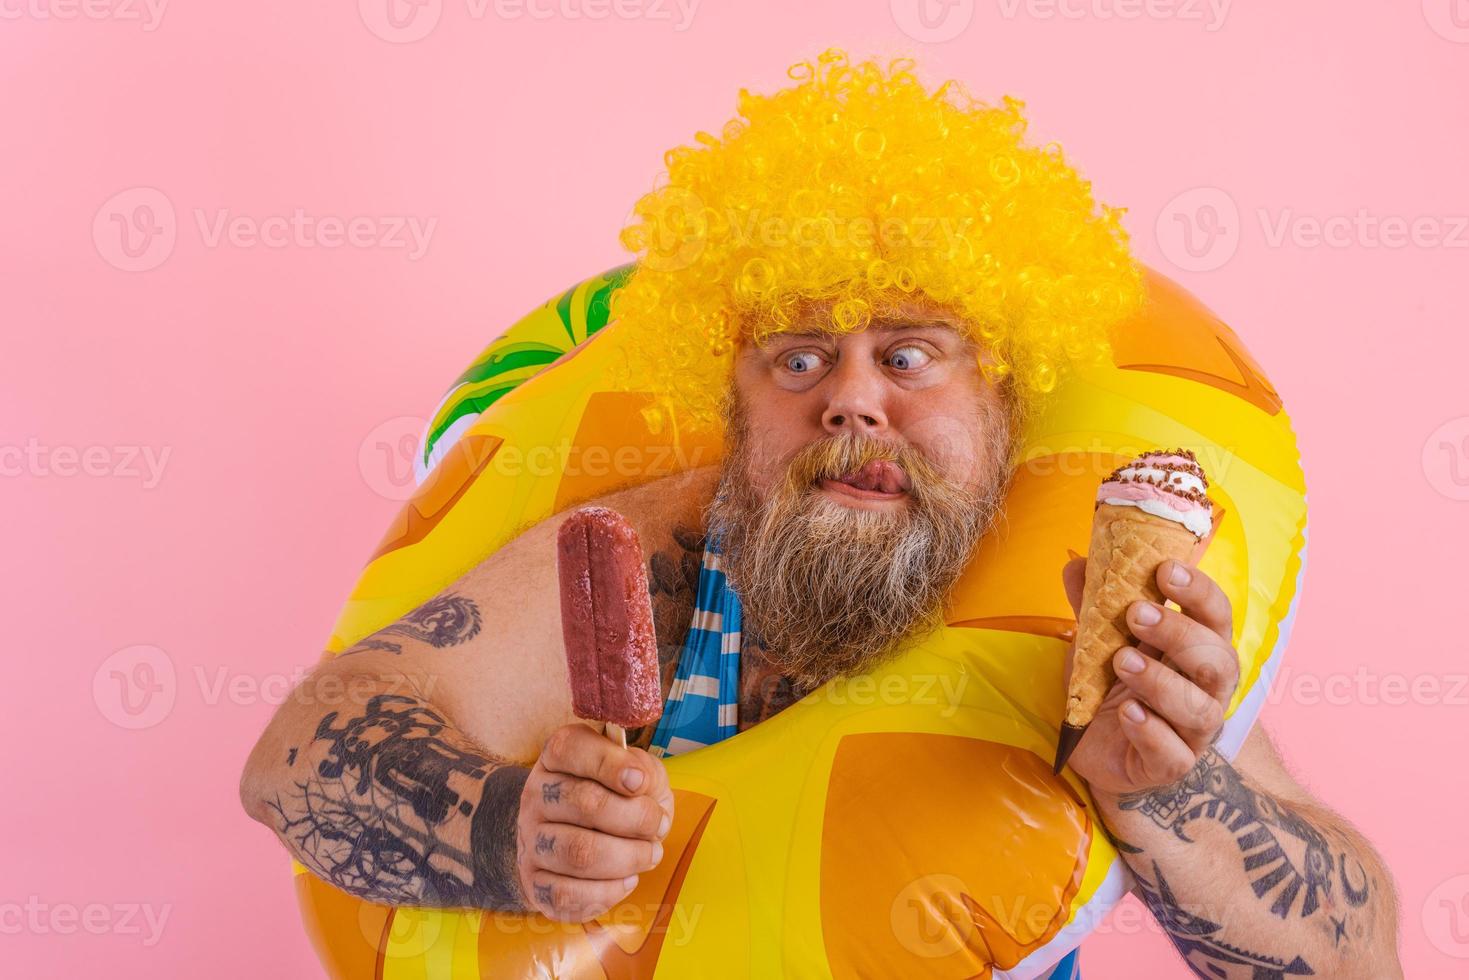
x: 834, y: 457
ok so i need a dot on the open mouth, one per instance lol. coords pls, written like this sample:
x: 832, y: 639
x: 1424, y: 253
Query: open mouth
x: 878, y: 479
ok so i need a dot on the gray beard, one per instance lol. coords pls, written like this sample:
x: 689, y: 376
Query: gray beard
x: 829, y: 590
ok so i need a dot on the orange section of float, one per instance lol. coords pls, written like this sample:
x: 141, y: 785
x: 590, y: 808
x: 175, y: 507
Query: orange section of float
x: 906, y: 892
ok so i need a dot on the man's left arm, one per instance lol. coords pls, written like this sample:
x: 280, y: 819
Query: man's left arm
x: 1248, y: 873
x: 1252, y: 877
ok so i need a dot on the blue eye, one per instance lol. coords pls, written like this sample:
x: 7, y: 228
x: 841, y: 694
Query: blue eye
x: 909, y: 358
x: 802, y: 362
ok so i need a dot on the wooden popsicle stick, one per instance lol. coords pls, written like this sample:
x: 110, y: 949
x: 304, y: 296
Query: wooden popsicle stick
x: 617, y: 733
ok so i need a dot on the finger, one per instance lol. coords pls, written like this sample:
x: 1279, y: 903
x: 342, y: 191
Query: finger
x: 1213, y: 666
x: 586, y: 803
x: 659, y: 788
x: 1073, y: 579
x: 577, y: 750
x: 1162, y: 757
x: 1189, y: 710
x: 568, y: 899
x: 581, y: 853
x: 1199, y: 596
x: 1167, y: 630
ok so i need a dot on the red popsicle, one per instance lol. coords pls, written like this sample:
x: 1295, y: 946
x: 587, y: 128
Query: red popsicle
x: 607, y: 621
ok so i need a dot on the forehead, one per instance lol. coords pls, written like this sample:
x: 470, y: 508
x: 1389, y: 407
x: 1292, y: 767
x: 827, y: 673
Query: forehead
x: 815, y: 320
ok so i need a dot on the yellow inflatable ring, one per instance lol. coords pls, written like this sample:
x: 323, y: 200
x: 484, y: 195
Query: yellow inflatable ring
x: 765, y: 872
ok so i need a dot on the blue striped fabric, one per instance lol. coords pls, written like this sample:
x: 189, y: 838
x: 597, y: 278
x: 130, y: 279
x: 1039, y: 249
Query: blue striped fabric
x: 703, y: 703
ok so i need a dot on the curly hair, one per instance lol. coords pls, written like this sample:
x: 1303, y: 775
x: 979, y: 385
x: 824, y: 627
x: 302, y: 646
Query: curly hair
x: 854, y: 188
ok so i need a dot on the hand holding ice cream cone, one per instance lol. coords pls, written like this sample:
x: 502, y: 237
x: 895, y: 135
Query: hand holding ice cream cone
x: 1150, y: 518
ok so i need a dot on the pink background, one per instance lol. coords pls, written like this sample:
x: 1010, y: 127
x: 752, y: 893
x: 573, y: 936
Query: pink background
x: 273, y: 377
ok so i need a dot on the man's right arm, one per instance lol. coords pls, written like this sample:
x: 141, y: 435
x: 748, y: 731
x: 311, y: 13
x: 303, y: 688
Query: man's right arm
x: 368, y: 785
x: 410, y: 770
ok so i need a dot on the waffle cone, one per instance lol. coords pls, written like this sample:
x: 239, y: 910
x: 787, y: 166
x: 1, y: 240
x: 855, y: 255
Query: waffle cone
x: 1127, y: 547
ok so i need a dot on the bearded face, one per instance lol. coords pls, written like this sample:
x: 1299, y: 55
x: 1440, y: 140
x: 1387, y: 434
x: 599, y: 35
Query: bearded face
x: 832, y: 586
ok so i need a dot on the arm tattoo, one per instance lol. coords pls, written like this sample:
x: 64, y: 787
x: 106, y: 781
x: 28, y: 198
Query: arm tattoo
x: 403, y: 810
x: 1197, y: 939
x: 1287, y: 858
x: 443, y: 621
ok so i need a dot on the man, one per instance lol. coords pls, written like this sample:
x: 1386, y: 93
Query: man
x: 871, y: 429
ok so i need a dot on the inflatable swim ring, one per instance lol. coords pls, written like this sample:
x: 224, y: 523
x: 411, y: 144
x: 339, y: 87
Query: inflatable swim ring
x: 904, y: 823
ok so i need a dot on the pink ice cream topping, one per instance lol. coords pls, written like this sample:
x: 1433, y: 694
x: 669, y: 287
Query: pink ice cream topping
x: 1169, y: 481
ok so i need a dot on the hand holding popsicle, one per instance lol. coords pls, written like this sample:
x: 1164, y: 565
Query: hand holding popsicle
x: 594, y: 813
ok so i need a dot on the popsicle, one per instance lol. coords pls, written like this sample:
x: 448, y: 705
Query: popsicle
x: 607, y: 622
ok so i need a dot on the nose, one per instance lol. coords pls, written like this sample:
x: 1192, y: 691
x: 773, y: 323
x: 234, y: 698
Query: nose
x: 855, y: 402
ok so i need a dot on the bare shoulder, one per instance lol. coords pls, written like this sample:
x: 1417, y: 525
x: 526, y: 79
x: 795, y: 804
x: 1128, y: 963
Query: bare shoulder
x: 658, y: 507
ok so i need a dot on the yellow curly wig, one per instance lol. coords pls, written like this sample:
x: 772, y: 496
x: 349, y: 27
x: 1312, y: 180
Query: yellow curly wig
x: 856, y: 187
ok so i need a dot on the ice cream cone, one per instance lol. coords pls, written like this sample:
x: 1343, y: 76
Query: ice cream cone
x: 1128, y: 544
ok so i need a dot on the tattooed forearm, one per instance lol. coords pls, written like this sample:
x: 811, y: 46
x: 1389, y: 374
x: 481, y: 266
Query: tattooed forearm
x: 397, y: 807
x: 1289, y: 861
x: 1247, y: 885
x: 1199, y: 940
